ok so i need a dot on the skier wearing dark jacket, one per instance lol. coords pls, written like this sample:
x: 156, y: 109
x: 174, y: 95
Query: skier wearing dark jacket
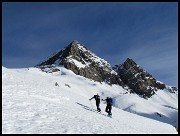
x: 109, y: 105
x: 97, y: 98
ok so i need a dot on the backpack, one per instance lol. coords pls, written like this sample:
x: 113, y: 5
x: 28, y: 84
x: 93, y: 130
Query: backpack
x: 110, y: 101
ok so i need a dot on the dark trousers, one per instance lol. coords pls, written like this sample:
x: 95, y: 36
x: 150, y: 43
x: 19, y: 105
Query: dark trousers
x: 108, y: 108
x: 98, y: 109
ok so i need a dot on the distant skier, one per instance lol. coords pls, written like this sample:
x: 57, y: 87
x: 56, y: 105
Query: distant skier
x: 109, y: 105
x: 97, y: 98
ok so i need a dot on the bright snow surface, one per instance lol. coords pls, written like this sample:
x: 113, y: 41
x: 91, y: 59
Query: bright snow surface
x: 31, y: 103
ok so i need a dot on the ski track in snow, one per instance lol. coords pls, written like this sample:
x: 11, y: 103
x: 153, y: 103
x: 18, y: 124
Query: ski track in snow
x: 32, y: 104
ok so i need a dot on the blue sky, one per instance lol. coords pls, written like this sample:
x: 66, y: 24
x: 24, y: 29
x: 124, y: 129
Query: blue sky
x: 146, y: 32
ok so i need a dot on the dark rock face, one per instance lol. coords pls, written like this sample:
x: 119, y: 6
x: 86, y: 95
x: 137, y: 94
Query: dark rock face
x: 172, y: 89
x: 83, y: 62
x: 137, y: 79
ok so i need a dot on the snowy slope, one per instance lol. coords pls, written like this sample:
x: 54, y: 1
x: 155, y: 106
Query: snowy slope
x: 31, y: 103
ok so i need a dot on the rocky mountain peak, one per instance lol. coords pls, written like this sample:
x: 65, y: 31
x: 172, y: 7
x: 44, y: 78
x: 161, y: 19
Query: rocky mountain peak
x: 72, y: 50
x: 74, y: 46
x: 130, y: 62
x: 82, y: 61
x: 74, y: 42
x: 140, y: 81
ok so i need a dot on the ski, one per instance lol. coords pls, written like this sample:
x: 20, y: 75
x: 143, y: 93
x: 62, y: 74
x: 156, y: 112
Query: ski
x: 109, y: 116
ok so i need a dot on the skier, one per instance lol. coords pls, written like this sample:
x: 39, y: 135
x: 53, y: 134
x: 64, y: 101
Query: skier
x: 97, y: 98
x: 109, y: 105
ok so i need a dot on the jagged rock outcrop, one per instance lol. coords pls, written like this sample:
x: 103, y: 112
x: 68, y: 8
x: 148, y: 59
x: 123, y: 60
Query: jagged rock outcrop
x: 140, y: 81
x: 81, y: 61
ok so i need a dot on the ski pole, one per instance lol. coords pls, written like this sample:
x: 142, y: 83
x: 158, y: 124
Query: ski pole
x: 91, y: 104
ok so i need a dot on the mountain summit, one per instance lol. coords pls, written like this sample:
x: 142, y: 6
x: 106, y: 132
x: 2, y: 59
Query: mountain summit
x: 81, y: 61
x: 140, y: 81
